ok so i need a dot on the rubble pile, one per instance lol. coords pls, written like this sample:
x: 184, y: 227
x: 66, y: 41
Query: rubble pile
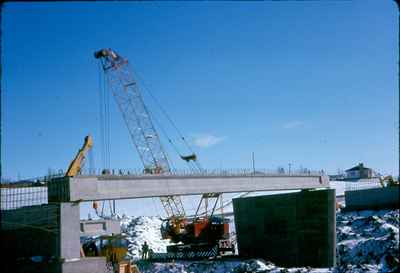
x: 367, y: 241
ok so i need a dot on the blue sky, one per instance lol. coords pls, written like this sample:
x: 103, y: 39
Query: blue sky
x: 313, y: 84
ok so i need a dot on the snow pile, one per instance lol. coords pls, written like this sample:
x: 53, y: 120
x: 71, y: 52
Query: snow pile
x: 255, y: 266
x: 248, y: 266
x: 187, y: 267
x: 368, y: 241
x: 143, y: 229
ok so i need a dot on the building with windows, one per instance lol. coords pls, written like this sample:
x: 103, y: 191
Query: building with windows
x: 359, y: 172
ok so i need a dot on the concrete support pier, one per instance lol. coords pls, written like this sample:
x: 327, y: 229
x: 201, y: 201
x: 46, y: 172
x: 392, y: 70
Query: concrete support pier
x: 44, y: 238
x: 290, y: 230
x: 379, y: 198
x: 46, y: 230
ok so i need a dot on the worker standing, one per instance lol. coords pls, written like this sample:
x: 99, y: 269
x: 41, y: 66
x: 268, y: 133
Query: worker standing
x: 145, y: 250
x: 150, y: 253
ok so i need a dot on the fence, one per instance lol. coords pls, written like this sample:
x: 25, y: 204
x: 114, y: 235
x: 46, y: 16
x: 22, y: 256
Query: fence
x: 208, y: 172
x: 17, y: 197
x: 363, y: 184
x: 27, y: 192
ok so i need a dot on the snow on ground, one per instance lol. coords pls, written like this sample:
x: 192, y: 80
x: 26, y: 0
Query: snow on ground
x: 367, y: 241
x: 248, y: 266
x: 141, y: 229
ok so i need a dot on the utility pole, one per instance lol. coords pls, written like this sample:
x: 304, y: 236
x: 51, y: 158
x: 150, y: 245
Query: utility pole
x: 398, y: 78
x: 254, y: 166
x: 290, y: 165
x: 1, y: 117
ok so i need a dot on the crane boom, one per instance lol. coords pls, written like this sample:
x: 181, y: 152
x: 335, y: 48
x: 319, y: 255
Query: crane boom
x: 137, y: 118
x: 76, y: 164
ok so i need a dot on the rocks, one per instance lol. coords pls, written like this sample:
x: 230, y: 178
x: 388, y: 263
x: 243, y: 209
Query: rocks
x: 367, y: 241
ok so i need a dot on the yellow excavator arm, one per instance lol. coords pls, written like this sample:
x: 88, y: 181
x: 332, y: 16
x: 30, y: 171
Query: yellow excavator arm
x: 75, y: 166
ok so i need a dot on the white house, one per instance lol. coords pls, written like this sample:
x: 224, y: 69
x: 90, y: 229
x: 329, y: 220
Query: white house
x: 358, y: 172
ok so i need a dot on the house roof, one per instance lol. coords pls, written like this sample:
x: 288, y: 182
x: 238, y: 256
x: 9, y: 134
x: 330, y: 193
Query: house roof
x: 358, y: 167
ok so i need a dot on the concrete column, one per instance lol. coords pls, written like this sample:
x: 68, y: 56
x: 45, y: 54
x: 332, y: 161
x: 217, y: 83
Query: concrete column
x: 69, y: 231
x: 44, y: 230
x: 290, y: 230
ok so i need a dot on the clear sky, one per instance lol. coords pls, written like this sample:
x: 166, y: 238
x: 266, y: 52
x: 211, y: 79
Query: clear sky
x: 313, y: 83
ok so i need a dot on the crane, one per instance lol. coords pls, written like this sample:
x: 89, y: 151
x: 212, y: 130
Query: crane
x: 205, y: 235
x: 137, y: 118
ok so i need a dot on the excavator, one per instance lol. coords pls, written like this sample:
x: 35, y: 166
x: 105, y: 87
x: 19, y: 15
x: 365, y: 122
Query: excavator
x: 76, y: 164
x: 113, y: 247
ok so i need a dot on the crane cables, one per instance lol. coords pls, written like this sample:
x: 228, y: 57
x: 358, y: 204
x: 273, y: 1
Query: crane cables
x: 163, y: 131
x: 224, y: 205
x: 191, y: 160
x: 104, y: 110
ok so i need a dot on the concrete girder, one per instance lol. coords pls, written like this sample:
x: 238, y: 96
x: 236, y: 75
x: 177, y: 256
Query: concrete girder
x: 90, y: 188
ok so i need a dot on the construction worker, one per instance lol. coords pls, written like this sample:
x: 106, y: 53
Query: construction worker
x: 145, y: 250
x: 150, y: 253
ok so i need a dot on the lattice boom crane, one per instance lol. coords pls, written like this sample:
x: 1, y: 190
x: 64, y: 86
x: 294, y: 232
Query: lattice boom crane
x: 129, y: 99
x: 204, y: 235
